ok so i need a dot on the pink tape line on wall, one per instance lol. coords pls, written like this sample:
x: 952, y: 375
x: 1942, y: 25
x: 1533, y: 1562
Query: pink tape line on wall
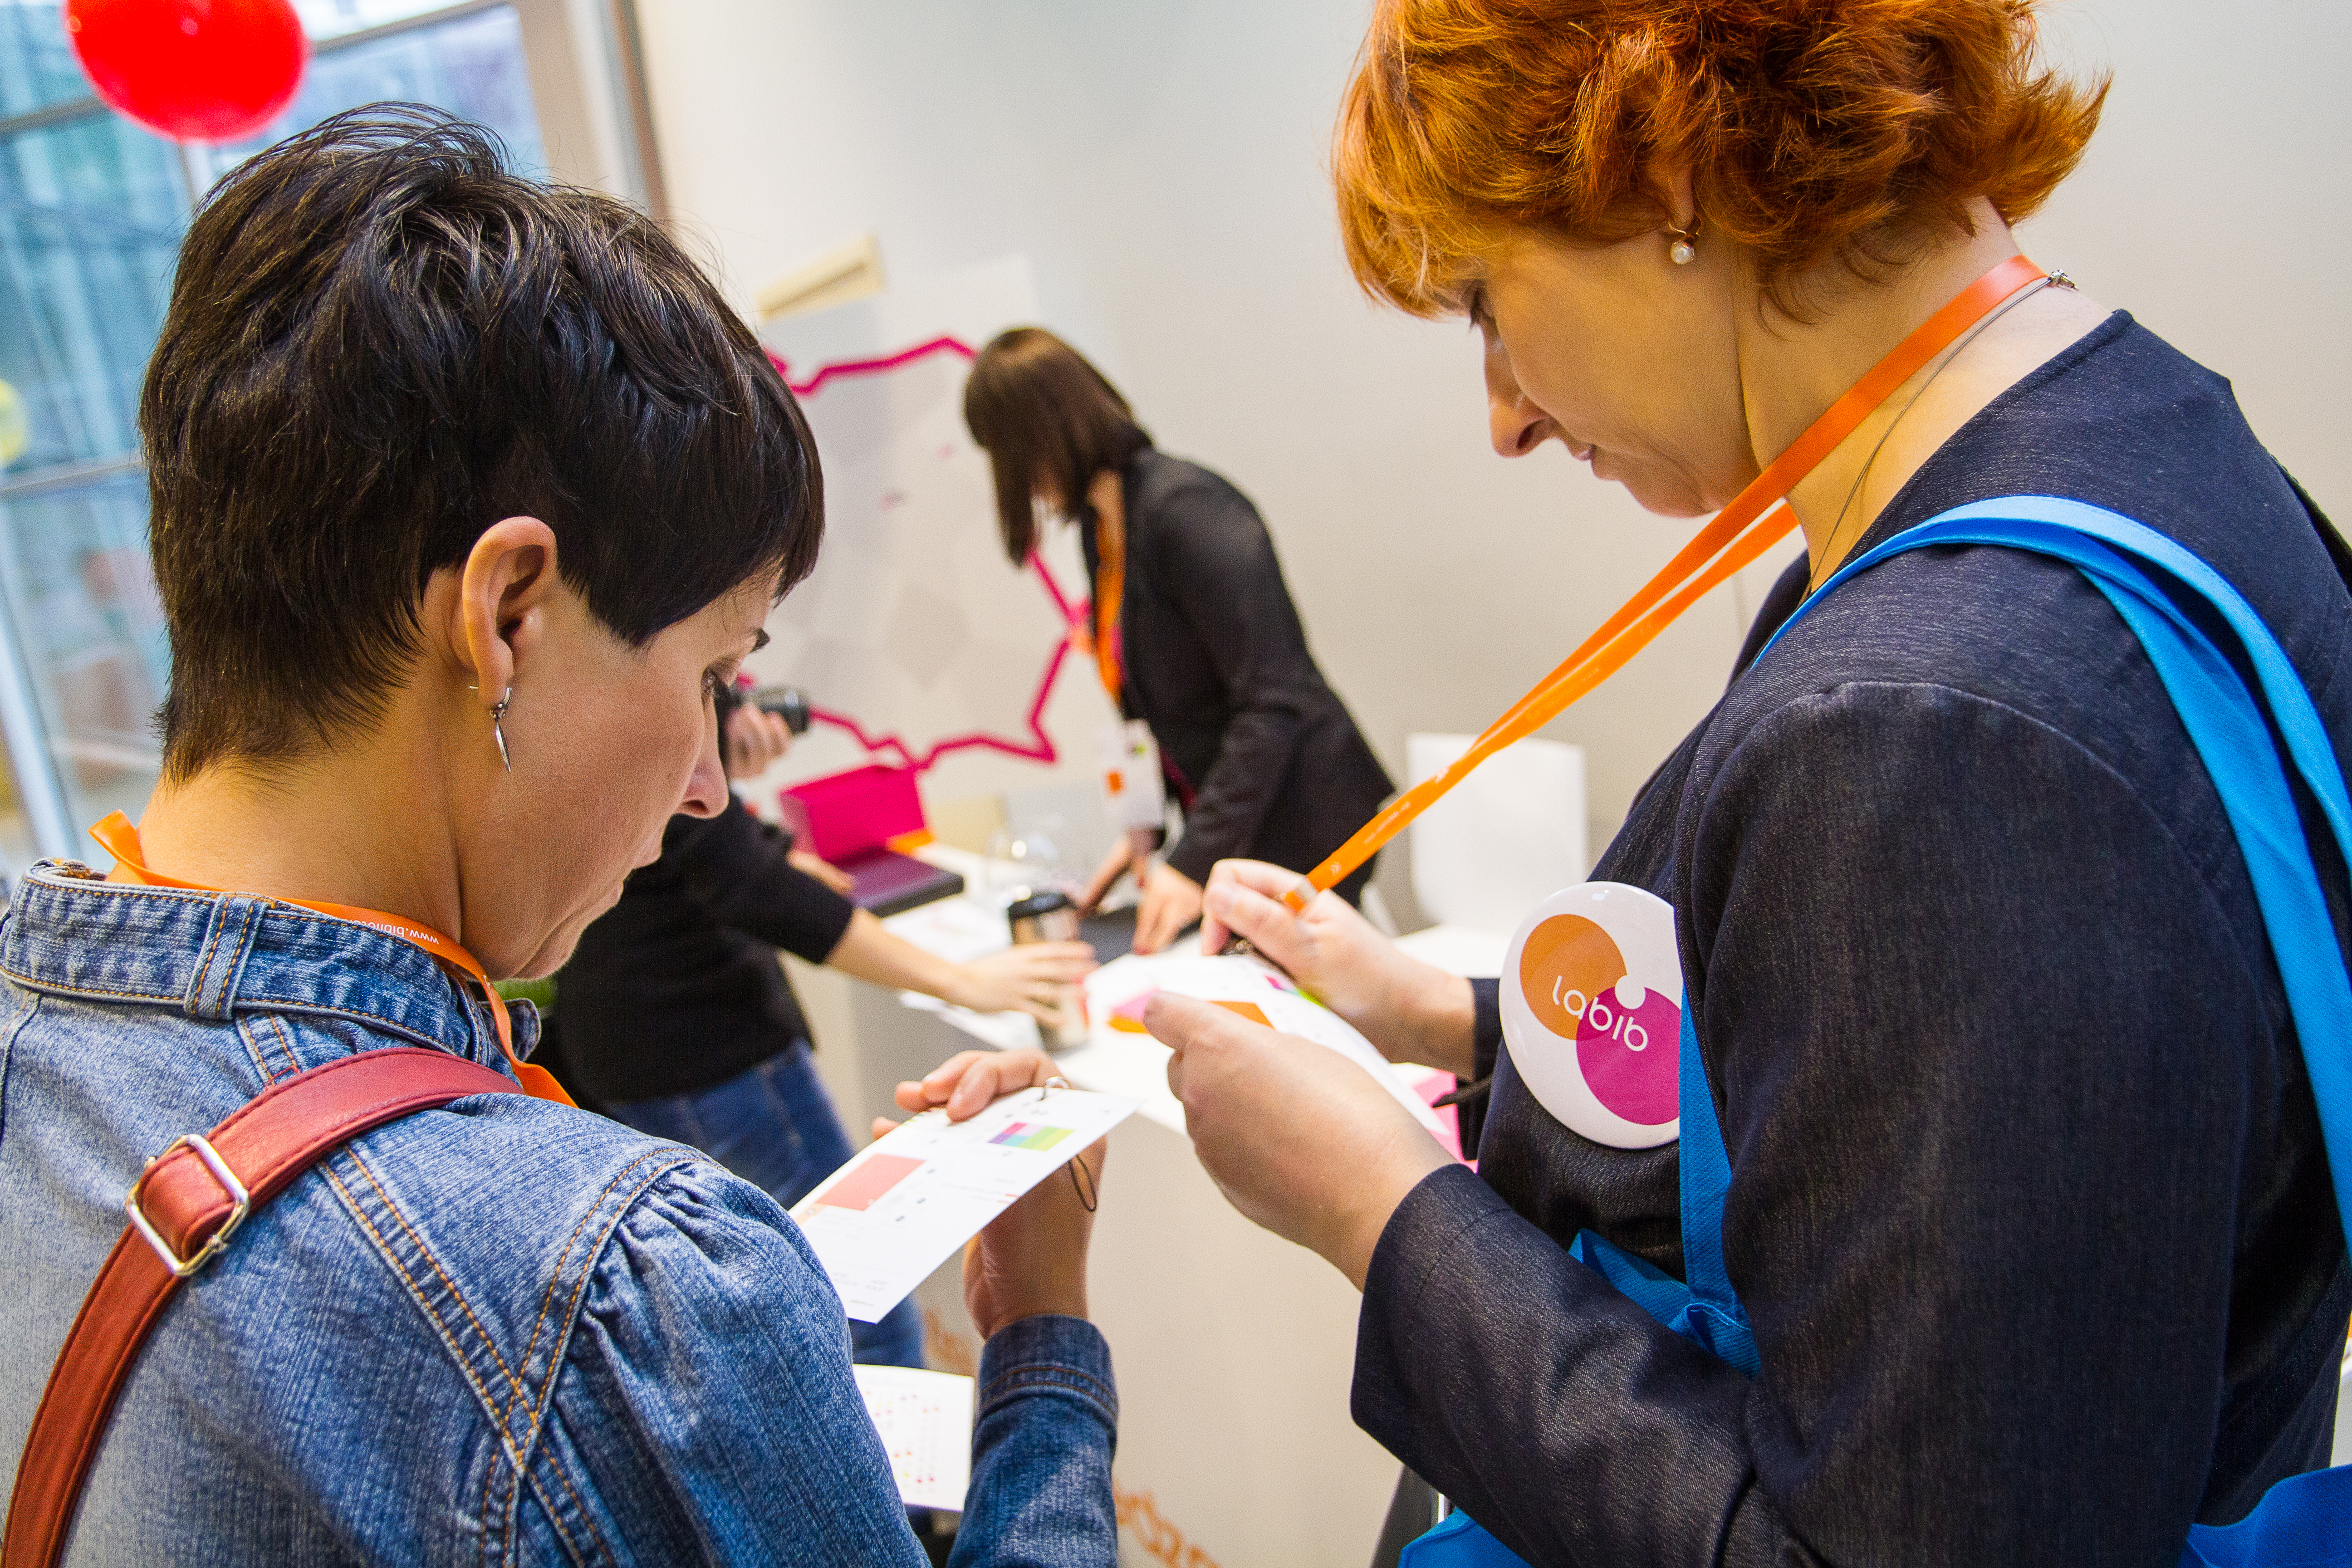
x: 1039, y: 747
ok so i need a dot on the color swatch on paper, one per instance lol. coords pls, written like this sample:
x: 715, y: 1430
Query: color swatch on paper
x: 883, y: 1223
x: 862, y: 1185
x: 1250, y: 1010
x: 1128, y: 1016
x: 1030, y: 1135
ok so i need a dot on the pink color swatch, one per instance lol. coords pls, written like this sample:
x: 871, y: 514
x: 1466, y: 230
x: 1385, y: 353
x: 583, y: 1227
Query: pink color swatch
x: 858, y: 1189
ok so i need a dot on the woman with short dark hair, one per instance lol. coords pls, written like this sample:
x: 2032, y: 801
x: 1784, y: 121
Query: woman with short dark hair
x: 1194, y: 632
x: 468, y: 495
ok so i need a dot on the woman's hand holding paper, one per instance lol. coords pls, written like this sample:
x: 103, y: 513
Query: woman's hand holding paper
x: 970, y: 1082
x: 1299, y: 1139
x: 1031, y: 1260
x: 1412, y: 1011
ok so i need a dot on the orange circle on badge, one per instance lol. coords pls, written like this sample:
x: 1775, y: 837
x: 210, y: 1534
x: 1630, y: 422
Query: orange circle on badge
x: 1567, y: 961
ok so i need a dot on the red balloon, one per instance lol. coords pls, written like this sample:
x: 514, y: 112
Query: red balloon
x: 195, y: 70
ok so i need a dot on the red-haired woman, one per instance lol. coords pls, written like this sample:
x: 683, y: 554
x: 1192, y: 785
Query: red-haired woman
x: 2028, y: 1202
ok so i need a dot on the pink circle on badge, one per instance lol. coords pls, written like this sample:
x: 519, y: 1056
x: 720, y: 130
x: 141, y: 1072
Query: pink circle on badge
x: 1627, y: 1042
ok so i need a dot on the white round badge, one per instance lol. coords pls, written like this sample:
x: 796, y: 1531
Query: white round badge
x: 1592, y: 1012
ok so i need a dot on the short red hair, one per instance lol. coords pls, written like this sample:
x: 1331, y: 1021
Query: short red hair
x: 1813, y: 129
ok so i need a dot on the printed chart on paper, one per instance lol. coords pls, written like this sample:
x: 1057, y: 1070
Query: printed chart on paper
x: 924, y: 1419
x: 910, y: 1200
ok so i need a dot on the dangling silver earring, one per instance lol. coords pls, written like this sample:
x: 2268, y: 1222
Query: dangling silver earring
x: 1685, y: 248
x: 497, y: 726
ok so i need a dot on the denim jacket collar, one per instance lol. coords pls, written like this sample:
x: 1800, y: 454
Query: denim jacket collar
x: 73, y: 933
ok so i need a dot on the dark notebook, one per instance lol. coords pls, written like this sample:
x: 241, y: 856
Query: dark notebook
x: 884, y: 882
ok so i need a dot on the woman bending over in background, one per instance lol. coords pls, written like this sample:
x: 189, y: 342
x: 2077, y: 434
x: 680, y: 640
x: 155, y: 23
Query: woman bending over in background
x: 1194, y: 632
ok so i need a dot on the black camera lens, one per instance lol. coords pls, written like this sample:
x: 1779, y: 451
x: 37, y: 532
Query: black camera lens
x: 786, y: 703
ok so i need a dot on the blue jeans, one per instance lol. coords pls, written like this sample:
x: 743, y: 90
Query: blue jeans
x: 775, y: 1126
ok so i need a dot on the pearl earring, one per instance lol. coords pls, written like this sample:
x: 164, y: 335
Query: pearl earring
x: 1685, y: 248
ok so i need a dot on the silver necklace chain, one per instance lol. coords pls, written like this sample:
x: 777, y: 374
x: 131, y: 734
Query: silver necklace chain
x: 2055, y: 279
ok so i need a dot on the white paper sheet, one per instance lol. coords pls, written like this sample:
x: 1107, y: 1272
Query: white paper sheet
x: 925, y: 1420
x: 958, y: 929
x: 908, y: 1202
x: 1263, y: 995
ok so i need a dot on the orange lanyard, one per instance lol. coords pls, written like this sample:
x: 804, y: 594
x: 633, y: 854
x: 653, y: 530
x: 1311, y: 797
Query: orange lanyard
x: 118, y: 838
x: 1683, y: 584
x: 1110, y: 587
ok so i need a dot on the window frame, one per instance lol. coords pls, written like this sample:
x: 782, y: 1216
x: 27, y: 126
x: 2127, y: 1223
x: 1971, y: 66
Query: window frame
x: 585, y: 65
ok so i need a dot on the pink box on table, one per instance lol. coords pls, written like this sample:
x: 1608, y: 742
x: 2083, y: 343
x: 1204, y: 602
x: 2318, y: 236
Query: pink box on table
x: 860, y: 820
x: 863, y: 808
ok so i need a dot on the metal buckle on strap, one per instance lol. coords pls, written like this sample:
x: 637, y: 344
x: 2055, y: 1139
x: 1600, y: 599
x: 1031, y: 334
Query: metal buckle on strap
x: 240, y: 1201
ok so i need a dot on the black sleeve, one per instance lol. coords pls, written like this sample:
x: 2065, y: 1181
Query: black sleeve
x: 1486, y: 1024
x: 1213, y: 554
x: 1988, y: 1119
x: 1486, y: 1045
x: 734, y: 866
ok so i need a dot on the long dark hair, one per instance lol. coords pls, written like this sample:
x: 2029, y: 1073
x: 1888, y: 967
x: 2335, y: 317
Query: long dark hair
x: 1048, y: 421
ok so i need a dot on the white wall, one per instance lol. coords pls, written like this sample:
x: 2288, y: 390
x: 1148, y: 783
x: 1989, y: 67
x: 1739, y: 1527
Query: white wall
x: 1162, y: 165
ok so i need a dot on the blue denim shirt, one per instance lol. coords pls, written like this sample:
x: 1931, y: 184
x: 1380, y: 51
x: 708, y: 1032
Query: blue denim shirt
x: 505, y: 1331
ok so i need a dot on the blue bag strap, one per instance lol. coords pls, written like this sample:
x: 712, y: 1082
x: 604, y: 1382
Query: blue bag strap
x: 1458, y: 1542
x: 2302, y: 1522
x: 2305, y: 1520
x: 2228, y: 732
x: 1701, y: 1305
x: 1714, y: 1316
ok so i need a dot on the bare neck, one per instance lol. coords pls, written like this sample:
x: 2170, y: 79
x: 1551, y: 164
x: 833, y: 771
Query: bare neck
x: 363, y: 823
x: 1790, y: 372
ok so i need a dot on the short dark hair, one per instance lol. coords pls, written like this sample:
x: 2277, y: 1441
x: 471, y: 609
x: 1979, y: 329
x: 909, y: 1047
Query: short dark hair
x: 1045, y: 417
x: 381, y: 341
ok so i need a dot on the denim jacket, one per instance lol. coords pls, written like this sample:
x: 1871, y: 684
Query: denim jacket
x: 501, y: 1331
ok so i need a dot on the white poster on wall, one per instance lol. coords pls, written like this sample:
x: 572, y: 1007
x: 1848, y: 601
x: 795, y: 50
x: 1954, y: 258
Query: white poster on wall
x: 916, y: 641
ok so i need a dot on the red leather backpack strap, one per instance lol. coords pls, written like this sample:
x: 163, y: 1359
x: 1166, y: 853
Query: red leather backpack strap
x: 183, y: 1204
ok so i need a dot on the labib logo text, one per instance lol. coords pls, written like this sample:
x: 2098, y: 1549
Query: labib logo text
x: 1606, y: 1017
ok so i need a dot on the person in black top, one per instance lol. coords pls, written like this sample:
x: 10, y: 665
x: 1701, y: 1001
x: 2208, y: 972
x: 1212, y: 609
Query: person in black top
x: 2029, y: 1204
x: 1194, y: 630
x: 675, y: 1014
